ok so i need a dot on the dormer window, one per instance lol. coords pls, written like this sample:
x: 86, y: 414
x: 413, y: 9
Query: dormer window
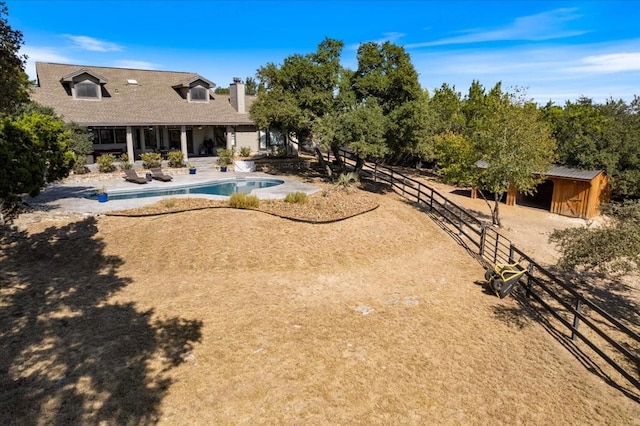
x: 196, y: 89
x: 84, y: 84
x: 198, y: 94
x: 86, y: 90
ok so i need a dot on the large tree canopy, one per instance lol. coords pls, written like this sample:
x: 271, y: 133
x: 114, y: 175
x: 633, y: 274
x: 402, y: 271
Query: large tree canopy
x: 593, y: 136
x: 292, y: 96
x: 14, y: 83
x: 503, y: 143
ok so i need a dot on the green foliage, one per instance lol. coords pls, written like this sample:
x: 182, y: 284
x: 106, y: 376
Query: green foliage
x: 80, y: 164
x: 240, y: 200
x: 245, y: 151
x: 151, y: 159
x: 106, y: 163
x: 504, y: 134
x: 225, y: 157
x: 175, y: 158
x: 611, y: 247
x: 22, y: 166
x: 101, y: 190
x: 51, y: 141
x: 250, y: 86
x: 296, y: 198
x: 347, y: 180
x: 291, y: 97
x: 81, y: 140
x: 125, y: 164
x: 606, y: 136
x: 14, y: 82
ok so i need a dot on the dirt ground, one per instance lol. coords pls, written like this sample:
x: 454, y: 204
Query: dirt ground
x: 224, y: 316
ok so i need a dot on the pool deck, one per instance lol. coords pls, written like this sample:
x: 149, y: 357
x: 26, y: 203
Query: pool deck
x: 69, y: 196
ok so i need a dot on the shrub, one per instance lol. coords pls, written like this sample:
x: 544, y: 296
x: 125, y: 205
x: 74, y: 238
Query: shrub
x: 346, y: 180
x: 105, y: 163
x: 124, y: 162
x: 169, y: 203
x: 151, y: 159
x: 241, y: 200
x: 80, y: 165
x: 296, y: 198
x: 225, y: 157
x: 245, y: 151
x: 175, y: 158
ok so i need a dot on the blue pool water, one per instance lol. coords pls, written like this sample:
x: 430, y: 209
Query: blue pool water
x: 223, y: 187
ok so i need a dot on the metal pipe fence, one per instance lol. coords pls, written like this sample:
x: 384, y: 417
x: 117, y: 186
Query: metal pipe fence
x: 613, y: 341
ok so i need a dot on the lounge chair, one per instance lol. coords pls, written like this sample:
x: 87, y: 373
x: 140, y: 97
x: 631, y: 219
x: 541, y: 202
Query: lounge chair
x: 158, y: 174
x: 132, y: 176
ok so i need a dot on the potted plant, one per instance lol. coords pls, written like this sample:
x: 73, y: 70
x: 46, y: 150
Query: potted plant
x: 192, y: 169
x: 225, y: 157
x: 102, y: 195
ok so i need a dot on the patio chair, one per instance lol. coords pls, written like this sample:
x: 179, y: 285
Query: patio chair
x: 132, y: 176
x: 158, y: 174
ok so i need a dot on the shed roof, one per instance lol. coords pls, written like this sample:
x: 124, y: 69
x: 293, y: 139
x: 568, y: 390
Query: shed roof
x: 560, y: 172
x: 153, y: 101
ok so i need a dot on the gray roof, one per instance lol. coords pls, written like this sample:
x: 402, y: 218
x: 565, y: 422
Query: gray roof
x: 560, y: 172
x: 153, y: 101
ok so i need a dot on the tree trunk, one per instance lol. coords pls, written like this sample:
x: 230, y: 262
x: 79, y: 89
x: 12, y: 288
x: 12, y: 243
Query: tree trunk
x: 495, y: 214
x: 323, y: 163
x: 359, y: 165
x: 335, y: 149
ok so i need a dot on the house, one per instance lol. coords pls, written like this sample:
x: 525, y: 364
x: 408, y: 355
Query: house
x: 134, y: 111
x: 564, y: 191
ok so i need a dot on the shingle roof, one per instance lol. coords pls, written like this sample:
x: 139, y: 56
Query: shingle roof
x: 153, y: 101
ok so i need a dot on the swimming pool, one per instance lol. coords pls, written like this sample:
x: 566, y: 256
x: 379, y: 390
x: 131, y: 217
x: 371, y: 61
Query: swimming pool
x: 225, y: 187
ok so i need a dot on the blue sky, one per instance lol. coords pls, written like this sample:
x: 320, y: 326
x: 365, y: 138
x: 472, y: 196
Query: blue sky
x: 555, y: 50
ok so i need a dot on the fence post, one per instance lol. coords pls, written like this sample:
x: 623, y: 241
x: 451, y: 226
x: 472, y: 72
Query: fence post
x: 460, y: 223
x: 529, y: 285
x: 419, y: 193
x: 375, y: 171
x: 483, y: 230
x: 511, y: 251
x: 495, y: 250
x: 431, y: 201
x: 576, y: 318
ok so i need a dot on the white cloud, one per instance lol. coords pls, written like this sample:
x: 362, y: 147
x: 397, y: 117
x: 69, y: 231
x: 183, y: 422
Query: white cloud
x: 42, y: 54
x: 93, y: 44
x: 143, y: 65
x: 542, y: 26
x: 608, y: 63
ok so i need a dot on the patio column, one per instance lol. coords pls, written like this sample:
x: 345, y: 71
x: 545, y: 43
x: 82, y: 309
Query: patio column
x: 183, y: 142
x: 130, y: 152
x: 157, y: 132
x: 142, y: 141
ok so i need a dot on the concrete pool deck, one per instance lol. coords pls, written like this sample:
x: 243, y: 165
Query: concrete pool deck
x: 69, y: 196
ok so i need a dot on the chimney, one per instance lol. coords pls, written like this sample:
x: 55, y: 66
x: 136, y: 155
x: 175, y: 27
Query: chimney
x: 236, y: 91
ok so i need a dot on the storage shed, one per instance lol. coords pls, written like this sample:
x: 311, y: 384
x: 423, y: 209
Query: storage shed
x: 568, y: 192
x: 565, y: 191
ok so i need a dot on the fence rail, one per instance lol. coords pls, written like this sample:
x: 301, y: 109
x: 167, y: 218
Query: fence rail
x: 612, y: 340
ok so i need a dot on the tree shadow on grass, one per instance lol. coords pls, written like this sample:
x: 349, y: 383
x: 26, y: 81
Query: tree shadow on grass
x: 69, y: 355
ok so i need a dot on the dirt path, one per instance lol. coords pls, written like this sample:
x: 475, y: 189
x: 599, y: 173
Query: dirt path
x: 380, y: 319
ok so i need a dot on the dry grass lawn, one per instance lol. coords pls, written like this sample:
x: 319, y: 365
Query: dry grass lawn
x: 222, y: 316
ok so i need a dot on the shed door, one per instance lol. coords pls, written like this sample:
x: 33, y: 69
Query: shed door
x: 573, y: 199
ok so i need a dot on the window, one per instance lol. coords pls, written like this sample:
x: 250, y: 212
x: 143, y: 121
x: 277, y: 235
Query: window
x: 198, y: 94
x: 86, y: 90
x: 121, y: 135
x: 106, y: 136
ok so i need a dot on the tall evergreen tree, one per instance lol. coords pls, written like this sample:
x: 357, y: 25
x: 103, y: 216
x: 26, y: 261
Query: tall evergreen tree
x: 14, y: 83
